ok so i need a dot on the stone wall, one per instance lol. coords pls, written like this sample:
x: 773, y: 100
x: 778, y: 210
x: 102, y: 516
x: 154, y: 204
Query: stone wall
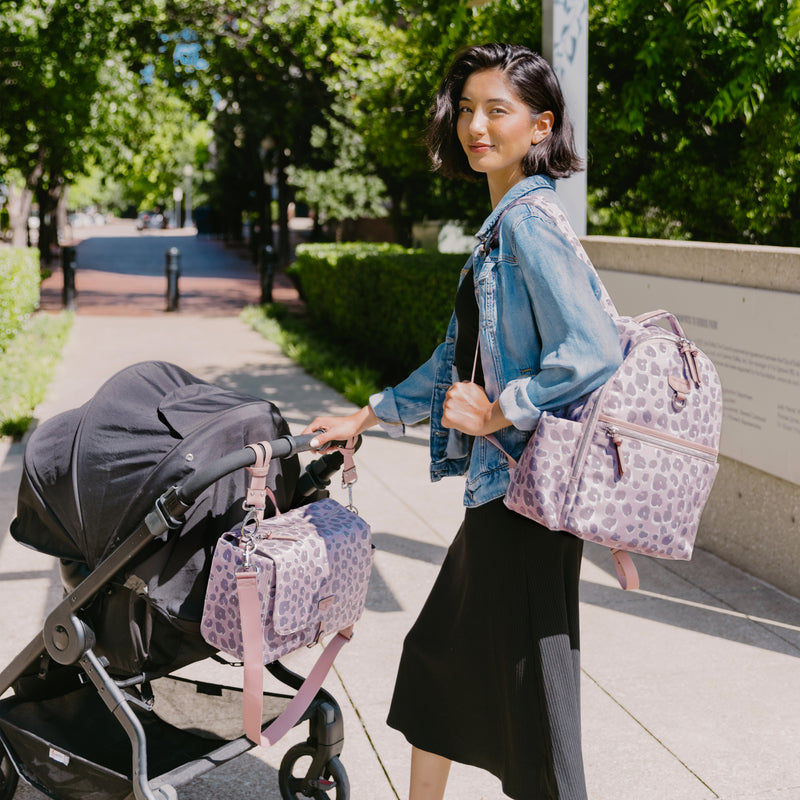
x: 752, y: 519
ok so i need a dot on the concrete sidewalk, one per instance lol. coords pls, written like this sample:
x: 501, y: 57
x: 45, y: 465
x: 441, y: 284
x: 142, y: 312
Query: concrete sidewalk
x: 690, y: 687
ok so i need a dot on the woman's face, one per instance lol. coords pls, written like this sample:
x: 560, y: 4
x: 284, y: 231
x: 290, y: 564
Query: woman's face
x: 496, y: 129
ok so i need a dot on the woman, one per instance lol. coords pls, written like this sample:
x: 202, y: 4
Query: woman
x: 490, y: 671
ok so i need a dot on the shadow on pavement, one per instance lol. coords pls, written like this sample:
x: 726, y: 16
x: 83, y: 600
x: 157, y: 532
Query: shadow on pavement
x: 685, y: 595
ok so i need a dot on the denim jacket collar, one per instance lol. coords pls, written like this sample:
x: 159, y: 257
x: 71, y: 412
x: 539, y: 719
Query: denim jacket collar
x: 518, y: 190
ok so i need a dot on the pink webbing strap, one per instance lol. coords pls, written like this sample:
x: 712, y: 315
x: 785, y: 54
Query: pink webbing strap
x: 627, y: 575
x: 512, y: 463
x: 659, y: 314
x: 349, y: 474
x: 252, y: 636
x: 258, y: 491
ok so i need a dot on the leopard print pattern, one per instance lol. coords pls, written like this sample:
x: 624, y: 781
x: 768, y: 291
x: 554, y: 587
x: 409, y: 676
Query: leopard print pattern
x: 315, y: 579
x: 640, y: 392
x: 541, y: 479
x: 654, y: 506
x: 653, y: 510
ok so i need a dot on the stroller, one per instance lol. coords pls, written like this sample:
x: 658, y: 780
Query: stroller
x: 131, y: 492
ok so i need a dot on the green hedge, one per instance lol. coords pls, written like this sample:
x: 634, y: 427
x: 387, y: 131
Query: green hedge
x: 388, y: 305
x: 26, y: 369
x: 19, y: 290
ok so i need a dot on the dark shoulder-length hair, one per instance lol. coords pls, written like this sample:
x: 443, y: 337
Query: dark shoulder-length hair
x: 534, y: 82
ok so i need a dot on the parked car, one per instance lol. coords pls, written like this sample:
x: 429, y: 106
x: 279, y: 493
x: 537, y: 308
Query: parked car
x: 150, y: 219
x: 85, y: 218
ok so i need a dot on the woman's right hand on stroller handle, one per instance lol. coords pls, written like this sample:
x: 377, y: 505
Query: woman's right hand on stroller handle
x: 332, y: 432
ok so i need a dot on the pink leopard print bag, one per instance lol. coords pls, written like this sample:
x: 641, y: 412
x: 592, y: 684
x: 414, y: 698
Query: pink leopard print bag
x: 313, y: 565
x: 631, y: 465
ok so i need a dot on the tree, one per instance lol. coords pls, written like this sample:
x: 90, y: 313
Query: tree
x: 158, y: 135
x: 266, y: 67
x: 64, y: 72
x: 693, y: 122
x: 345, y: 189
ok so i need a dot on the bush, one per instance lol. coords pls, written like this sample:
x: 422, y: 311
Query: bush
x: 26, y: 369
x: 19, y: 290
x: 387, y: 305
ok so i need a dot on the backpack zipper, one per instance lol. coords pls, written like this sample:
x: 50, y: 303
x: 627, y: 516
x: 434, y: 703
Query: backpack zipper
x: 591, y: 421
x: 617, y: 430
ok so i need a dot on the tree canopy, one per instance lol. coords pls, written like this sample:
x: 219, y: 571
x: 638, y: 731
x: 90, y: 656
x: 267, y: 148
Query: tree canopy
x: 73, y: 97
x: 693, y: 119
x: 693, y: 108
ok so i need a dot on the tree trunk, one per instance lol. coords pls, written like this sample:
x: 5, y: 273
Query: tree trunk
x: 401, y: 224
x: 20, y: 200
x: 62, y: 220
x: 47, y: 199
x: 284, y: 245
x: 32, y: 181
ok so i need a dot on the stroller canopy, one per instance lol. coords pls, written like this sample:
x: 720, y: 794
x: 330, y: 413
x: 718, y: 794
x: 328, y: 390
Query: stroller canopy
x: 92, y: 474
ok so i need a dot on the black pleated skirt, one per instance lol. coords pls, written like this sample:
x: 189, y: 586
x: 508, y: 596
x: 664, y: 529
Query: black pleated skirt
x: 490, y: 671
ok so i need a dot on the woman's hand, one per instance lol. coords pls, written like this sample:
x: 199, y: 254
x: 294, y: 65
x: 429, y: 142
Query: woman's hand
x: 469, y: 410
x: 340, y: 429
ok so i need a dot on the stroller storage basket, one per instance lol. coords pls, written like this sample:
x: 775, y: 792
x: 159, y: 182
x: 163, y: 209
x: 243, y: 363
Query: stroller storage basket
x: 69, y: 747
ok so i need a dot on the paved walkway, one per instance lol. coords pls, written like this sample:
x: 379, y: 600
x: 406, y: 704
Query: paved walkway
x: 690, y: 686
x: 123, y: 271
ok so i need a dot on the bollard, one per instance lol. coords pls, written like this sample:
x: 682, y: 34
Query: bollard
x: 267, y: 272
x: 68, y: 263
x: 173, y: 270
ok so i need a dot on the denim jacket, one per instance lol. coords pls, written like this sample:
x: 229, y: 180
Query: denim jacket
x: 545, y: 341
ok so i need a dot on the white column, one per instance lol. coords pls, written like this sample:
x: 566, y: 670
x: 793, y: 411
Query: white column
x: 565, y: 44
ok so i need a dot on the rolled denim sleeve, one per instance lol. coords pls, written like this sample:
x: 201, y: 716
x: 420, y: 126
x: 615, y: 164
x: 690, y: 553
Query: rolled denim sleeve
x: 580, y: 346
x: 410, y: 401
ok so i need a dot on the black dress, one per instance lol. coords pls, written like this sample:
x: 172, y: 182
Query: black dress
x: 490, y: 671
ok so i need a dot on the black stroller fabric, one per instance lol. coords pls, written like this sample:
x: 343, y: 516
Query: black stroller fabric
x: 92, y: 474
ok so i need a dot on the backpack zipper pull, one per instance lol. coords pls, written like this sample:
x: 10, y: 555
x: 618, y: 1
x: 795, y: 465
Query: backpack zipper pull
x: 689, y: 352
x: 616, y: 440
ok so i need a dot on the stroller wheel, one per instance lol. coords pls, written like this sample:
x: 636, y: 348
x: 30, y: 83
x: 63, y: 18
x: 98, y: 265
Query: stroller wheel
x: 8, y: 776
x: 331, y: 785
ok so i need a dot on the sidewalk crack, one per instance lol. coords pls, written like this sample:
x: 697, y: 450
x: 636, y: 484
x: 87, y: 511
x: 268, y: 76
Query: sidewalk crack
x: 366, y: 733
x: 650, y: 733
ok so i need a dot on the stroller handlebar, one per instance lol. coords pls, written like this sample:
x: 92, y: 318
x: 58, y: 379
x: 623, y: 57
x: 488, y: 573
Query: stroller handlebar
x: 194, y: 486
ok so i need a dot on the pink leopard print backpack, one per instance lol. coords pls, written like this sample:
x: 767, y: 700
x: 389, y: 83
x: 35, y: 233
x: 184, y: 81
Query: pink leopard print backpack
x: 631, y: 465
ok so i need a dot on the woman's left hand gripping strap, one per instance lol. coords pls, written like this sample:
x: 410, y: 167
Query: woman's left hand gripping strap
x: 256, y: 500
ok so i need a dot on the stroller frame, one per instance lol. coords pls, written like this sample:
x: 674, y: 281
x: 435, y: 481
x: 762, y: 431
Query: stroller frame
x: 68, y: 639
